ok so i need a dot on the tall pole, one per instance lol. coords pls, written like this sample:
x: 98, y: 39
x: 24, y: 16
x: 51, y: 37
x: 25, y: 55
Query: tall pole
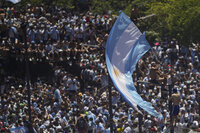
x: 140, y: 117
x: 110, y: 108
x: 170, y: 109
x: 170, y: 103
x: 27, y: 78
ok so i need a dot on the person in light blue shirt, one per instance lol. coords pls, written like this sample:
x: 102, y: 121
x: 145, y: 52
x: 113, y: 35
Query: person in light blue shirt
x: 54, y: 35
x: 91, y: 125
x: 91, y: 115
x: 99, y: 127
x: 31, y: 34
x: 57, y: 96
x: 12, y: 34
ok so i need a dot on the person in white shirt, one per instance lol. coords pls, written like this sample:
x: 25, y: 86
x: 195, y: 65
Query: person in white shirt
x: 12, y: 34
x: 72, y: 84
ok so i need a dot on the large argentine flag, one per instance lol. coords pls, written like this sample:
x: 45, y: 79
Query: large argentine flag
x: 125, y: 46
x: 14, y: 1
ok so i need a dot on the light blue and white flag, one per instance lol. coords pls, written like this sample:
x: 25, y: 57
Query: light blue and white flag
x: 19, y: 130
x: 14, y: 1
x: 125, y: 46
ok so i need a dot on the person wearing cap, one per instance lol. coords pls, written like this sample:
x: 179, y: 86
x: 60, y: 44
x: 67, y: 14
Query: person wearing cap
x: 175, y: 98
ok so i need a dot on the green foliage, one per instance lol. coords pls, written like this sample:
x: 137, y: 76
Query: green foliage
x: 105, y: 6
x: 152, y: 36
x: 64, y: 3
x: 140, y: 4
x: 178, y: 19
x: 100, y: 6
x: 61, y: 3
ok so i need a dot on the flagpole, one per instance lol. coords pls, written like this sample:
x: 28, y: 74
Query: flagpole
x: 27, y: 75
x: 140, y: 122
x: 139, y: 115
x: 170, y: 110
x: 110, y: 107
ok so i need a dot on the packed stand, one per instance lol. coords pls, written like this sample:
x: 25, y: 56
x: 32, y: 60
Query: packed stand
x: 74, y: 95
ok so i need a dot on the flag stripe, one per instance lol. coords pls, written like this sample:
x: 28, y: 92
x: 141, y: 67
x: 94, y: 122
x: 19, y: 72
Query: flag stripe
x: 128, y: 39
x: 120, y: 25
x: 14, y: 1
x: 125, y: 46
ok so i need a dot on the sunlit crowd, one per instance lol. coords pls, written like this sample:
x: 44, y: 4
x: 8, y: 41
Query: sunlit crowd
x: 74, y: 96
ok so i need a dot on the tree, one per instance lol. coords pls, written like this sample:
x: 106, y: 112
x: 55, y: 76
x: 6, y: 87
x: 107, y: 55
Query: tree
x: 104, y: 6
x: 178, y: 19
x: 100, y: 6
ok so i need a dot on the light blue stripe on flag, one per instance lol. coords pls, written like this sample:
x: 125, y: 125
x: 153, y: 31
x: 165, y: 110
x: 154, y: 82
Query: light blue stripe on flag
x: 19, y: 130
x: 125, y: 46
x: 14, y: 1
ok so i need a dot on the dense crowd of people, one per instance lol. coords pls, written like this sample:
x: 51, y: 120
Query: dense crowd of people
x: 73, y: 95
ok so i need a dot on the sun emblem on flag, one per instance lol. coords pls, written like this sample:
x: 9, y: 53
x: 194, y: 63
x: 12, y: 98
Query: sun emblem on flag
x: 116, y: 71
